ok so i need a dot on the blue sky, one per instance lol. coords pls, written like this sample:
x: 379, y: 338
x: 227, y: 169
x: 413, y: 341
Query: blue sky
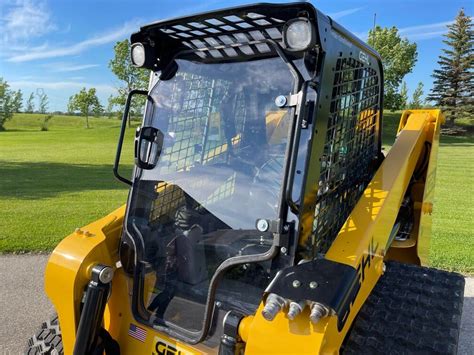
x: 64, y: 45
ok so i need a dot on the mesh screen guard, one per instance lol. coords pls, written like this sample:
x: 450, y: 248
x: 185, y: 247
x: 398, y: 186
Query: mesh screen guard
x: 228, y: 35
x: 349, y: 150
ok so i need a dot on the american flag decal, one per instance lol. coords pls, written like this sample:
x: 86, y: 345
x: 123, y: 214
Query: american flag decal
x: 137, y: 332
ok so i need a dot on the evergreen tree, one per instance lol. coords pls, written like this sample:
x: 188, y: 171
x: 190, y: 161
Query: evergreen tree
x: 416, y: 101
x: 403, y: 96
x: 454, y: 79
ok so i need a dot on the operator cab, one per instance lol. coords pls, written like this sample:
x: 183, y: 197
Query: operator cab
x: 224, y: 192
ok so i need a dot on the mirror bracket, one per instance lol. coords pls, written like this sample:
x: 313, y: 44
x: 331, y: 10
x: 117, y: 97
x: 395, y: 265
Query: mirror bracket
x: 122, y: 134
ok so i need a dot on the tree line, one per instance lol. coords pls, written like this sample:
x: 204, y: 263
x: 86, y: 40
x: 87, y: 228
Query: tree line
x: 12, y: 102
x: 452, y: 89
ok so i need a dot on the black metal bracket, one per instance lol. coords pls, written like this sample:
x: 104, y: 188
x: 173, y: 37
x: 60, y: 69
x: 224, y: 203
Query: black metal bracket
x: 122, y: 134
x: 301, y: 106
x: 320, y: 280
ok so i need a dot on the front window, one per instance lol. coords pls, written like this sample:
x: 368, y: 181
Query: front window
x: 221, y: 168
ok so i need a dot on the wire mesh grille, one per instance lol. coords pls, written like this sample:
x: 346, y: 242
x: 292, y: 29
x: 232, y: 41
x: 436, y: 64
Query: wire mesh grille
x: 349, y: 150
x: 169, y: 198
x: 220, y: 37
x: 198, y: 136
x: 192, y: 97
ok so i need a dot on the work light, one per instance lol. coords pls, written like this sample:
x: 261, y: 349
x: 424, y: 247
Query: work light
x: 298, y: 34
x: 138, y: 55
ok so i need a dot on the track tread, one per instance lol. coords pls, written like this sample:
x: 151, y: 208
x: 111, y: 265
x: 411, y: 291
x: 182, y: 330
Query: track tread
x: 47, y: 340
x: 412, y: 309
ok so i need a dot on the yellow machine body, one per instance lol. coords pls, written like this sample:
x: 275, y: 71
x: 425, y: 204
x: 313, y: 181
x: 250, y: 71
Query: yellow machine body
x: 362, y: 242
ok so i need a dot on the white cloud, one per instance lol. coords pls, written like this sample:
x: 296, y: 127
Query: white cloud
x: 419, y: 33
x: 422, y: 28
x: 25, y: 19
x: 424, y: 35
x: 340, y: 14
x: 54, y: 52
x: 60, y: 85
x: 64, y: 67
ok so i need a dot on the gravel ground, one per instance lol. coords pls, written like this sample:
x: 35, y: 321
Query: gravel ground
x: 24, y: 305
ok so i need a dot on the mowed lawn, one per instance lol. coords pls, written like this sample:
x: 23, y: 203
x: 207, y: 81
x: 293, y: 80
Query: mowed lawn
x: 52, y: 182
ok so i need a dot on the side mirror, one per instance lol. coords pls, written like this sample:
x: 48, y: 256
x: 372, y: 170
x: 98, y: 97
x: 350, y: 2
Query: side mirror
x: 148, y: 145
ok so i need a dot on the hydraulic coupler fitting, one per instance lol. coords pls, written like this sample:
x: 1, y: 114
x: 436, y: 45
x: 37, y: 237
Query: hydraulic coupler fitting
x: 318, y: 311
x: 273, y: 305
x: 295, y: 308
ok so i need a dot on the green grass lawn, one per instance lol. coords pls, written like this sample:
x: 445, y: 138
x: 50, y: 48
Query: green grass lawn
x: 452, y: 242
x: 52, y: 182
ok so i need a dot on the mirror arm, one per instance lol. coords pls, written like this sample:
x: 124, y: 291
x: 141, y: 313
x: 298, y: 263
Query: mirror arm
x: 122, y: 133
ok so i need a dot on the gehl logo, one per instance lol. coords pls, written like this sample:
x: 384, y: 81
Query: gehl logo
x: 161, y: 348
x: 361, y: 269
x: 364, y: 57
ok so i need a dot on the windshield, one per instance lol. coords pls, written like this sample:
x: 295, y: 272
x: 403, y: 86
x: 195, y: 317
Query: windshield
x: 220, y: 169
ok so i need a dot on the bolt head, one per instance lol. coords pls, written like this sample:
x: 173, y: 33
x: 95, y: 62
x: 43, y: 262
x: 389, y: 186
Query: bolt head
x: 296, y: 283
x: 313, y: 284
x: 283, y: 250
x: 280, y: 101
x: 262, y: 225
x: 106, y: 275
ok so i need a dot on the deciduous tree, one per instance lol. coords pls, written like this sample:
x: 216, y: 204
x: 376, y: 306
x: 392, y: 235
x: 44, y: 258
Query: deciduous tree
x: 86, y: 102
x: 30, y: 103
x: 398, y: 58
x: 130, y: 76
x: 43, y: 102
x: 6, y: 103
x: 17, y: 101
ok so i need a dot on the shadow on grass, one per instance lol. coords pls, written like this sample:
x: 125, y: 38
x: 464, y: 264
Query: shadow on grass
x: 31, y: 181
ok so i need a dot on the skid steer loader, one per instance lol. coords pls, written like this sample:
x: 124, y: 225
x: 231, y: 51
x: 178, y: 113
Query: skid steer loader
x: 262, y: 215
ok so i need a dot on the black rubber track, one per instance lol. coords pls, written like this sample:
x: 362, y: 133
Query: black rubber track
x: 47, y: 340
x: 412, y: 310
